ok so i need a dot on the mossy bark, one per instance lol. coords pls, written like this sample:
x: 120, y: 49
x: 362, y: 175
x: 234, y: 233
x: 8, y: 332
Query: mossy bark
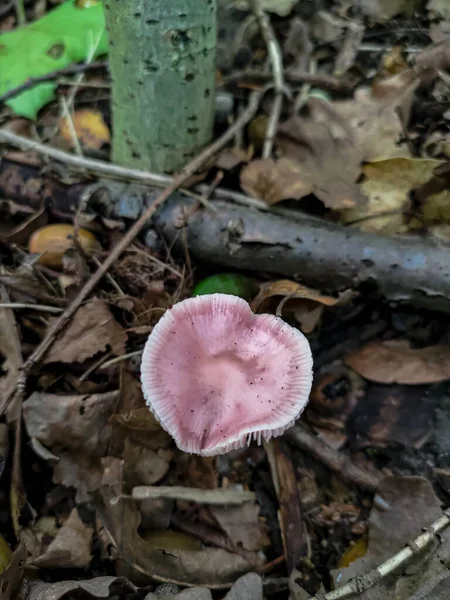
x: 162, y: 63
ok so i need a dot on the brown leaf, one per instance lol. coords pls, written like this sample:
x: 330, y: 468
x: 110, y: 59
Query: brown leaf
x: 92, y: 330
x: 413, y: 507
x: 323, y: 148
x: 274, y: 181
x: 204, y: 567
x: 78, y: 423
x: 305, y: 303
x: 71, y: 548
x: 242, y: 525
x: 433, y: 59
x: 143, y: 428
x: 10, y: 354
x: 19, y: 234
x: 395, y: 361
x: 144, y: 466
x: 86, y: 474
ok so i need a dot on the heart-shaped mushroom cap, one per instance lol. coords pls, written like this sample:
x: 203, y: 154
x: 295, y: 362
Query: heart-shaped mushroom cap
x: 216, y: 375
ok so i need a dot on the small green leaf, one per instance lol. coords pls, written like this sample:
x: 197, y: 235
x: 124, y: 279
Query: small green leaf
x: 226, y: 283
x: 64, y: 36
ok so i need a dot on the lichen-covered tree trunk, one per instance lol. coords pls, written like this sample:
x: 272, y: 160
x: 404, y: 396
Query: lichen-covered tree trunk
x: 162, y: 63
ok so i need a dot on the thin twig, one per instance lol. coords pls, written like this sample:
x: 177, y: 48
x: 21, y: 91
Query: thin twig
x: 360, y: 584
x: 40, y: 307
x: 118, y: 359
x: 199, y: 161
x: 33, y: 81
x: 333, y: 459
x: 67, y: 115
x: 291, y: 76
x: 276, y: 61
x: 109, y: 277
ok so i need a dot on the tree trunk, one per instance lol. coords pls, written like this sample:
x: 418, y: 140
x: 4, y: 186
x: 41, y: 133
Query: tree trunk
x: 162, y: 63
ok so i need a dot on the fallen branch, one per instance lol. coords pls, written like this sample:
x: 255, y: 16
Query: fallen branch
x: 334, y: 460
x: 179, y: 179
x: 361, y: 584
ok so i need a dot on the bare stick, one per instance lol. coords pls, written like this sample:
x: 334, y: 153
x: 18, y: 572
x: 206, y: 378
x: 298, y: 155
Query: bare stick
x: 276, y: 60
x: 90, y: 285
x: 39, y: 307
x: 33, y: 81
x: 20, y: 12
x: 291, y: 75
x: 360, y: 584
x: 176, y: 492
x: 333, y: 459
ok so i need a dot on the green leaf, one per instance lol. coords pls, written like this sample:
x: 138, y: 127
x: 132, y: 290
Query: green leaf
x: 226, y: 283
x: 64, y: 36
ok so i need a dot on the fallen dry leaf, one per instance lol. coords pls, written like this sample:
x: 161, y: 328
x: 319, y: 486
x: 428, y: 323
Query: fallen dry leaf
x: 203, y: 567
x: 433, y: 59
x: 304, y: 303
x: 86, y: 474
x: 388, y: 184
x: 242, y: 525
x: 273, y: 181
x: 142, y: 427
x: 71, y: 547
x: 77, y: 423
x: 144, y: 466
x: 413, y: 507
x: 395, y: 361
x: 12, y: 576
x: 93, y: 329
x: 98, y: 587
x: 10, y: 353
x: 19, y: 234
x: 373, y: 116
x: 89, y: 126
x: 322, y: 147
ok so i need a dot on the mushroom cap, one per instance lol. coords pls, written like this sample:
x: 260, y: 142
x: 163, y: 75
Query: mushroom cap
x: 216, y: 375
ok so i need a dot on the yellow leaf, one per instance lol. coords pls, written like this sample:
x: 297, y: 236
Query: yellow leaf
x: 89, y: 126
x: 388, y: 184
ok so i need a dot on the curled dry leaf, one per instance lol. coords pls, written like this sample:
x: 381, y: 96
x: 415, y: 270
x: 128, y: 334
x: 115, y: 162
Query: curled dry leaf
x: 305, y: 303
x: 273, y: 181
x: 11, y: 354
x: 395, y: 361
x: 78, y: 423
x: 71, y: 547
x: 93, y: 329
x: 388, y: 184
x: 90, y: 128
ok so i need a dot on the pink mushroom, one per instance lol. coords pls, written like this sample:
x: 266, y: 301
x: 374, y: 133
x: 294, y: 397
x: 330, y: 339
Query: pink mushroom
x: 216, y: 375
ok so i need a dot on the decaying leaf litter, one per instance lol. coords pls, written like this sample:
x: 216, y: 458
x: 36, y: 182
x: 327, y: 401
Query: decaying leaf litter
x: 342, y: 230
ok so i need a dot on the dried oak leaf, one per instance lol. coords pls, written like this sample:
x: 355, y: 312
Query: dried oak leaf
x: 395, y: 361
x: 375, y: 116
x: 322, y: 147
x: 78, y: 423
x: 71, y: 547
x: 273, y: 181
x: 93, y: 329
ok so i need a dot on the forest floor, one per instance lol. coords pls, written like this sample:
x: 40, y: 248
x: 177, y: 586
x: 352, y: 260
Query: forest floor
x: 331, y: 208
